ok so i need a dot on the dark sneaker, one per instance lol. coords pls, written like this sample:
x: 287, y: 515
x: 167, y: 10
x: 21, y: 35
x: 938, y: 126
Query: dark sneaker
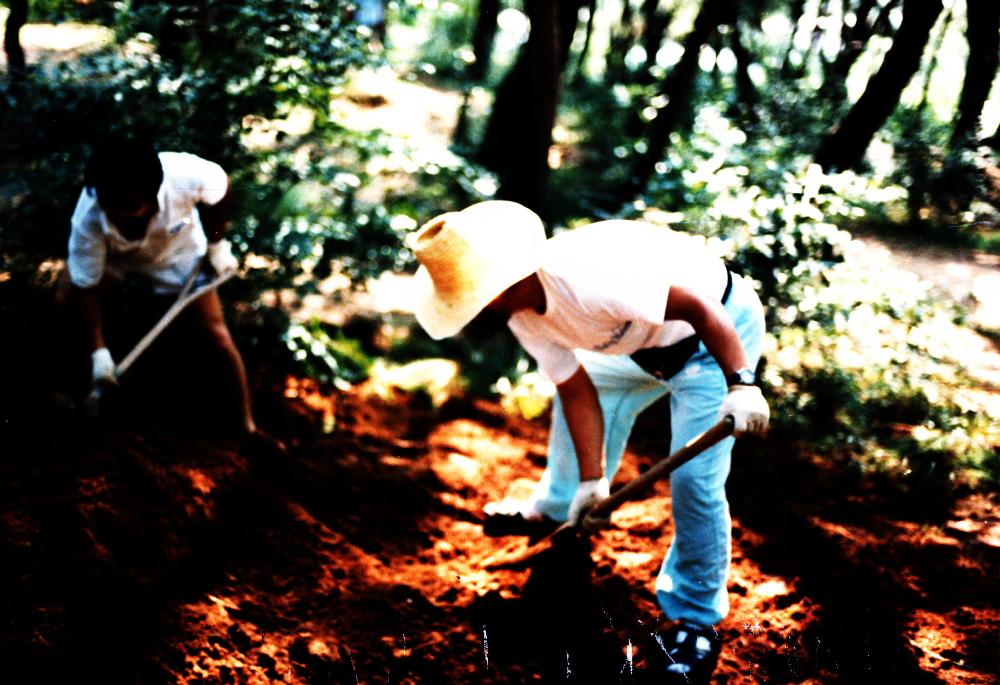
x: 691, y: 654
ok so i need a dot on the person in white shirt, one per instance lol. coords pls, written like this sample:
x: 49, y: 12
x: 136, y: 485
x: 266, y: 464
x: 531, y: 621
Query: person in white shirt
x: 616, y: 314
x: 157, y: 215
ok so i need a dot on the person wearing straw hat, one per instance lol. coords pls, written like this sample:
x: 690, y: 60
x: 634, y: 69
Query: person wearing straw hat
x: 616, y: 314
x: 158, y: 215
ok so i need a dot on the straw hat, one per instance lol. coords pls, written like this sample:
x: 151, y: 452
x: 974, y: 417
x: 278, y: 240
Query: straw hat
x: 468, y: 258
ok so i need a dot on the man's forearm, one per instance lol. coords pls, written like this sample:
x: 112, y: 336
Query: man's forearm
x: 585, y: 420
x: 711, y: 323
x: 88, y: 308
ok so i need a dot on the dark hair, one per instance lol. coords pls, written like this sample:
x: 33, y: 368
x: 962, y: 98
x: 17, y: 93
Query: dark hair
x: 120, y: 168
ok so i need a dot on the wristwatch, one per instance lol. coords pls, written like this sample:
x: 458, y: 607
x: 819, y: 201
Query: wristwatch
x: 742, y: 376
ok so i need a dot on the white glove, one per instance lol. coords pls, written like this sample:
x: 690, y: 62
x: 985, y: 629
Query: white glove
x: 747, y: 406
x: 103, y: 367
x: 587, y: 495
x: 525, y: 508
x: 220, y: 256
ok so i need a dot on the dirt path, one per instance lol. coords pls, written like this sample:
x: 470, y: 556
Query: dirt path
x: 966, y: 277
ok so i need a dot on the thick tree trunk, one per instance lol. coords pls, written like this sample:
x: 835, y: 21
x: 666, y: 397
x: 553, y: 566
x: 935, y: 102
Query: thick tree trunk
x: 677, y: 87
x: 852, y: 44
x: 18, y: 17
x: 519, y: 132
x: 482, y: 38
x: 983, y: 35
x: 844, y: 147
x: 853, y: 38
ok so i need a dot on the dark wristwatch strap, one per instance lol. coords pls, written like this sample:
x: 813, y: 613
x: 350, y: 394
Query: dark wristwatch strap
x: 742, y: 376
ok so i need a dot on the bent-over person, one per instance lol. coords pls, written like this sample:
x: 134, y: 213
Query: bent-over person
x: 157, y: 215
x: 616, y: 314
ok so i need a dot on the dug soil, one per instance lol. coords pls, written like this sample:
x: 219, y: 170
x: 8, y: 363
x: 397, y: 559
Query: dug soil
x: 139, y: 548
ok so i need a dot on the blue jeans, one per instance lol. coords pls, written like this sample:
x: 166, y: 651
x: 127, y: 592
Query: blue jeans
x: 691, y: 585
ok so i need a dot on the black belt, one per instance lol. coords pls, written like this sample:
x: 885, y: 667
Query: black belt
x: 665, y: 362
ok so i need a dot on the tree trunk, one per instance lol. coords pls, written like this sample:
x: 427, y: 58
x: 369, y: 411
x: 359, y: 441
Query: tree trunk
x: 621, y: 41
x: 855, y: 38
x: 983, y: 35
x: 935, y: 53
x: 581, y: 61
x: 745, y: 89
x: 816, y: 44
x: 795, y: 12
x: 18, y: 17
x: 482, y: 38
x: 519, y: 132
x: 844, y: 147
x: 677, y: 87
x: 656, y: 24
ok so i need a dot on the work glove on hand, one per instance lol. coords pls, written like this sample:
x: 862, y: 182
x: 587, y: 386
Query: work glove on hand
x: 587, y: 495
x: 525, y: 508
x: 220, y: 256
x: 747, y: 406
x: 103, y: 368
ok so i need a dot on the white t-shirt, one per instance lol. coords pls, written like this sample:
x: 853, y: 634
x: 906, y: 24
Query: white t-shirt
x: 174, y: 242
x: 606, y: 288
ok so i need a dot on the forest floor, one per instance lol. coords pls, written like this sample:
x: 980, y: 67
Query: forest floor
x: 142, y: 550
x: 143, y: 547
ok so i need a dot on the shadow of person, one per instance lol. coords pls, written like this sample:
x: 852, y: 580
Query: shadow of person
x: 557, y: 629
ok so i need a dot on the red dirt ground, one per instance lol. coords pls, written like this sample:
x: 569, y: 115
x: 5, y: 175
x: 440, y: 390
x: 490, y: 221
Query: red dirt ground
x: 134, y: 553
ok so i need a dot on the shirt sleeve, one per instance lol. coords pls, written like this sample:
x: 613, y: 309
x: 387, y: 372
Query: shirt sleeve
x: 555, y: 362
x: 206, y: 181
x: 87, y: 246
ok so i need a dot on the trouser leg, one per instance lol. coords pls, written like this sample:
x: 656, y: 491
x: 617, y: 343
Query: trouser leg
x: 691, y: 585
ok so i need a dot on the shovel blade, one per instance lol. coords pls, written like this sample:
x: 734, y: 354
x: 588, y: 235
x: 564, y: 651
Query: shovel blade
x: 518, y: 554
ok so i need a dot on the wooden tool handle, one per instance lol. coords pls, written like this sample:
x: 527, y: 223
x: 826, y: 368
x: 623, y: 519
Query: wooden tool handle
x: 184, y: 300
x: 723, y: 429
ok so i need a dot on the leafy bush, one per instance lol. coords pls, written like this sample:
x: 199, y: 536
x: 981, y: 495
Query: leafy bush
x: 327, y: 357
x: 878, y: 378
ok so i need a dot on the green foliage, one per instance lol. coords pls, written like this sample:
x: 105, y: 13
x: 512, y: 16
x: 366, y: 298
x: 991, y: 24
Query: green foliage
x: 445, y: 29
x: 435, y: 182
x: 56, y: 11
x: 875, y: 376
x: 225, y: 61
x: 327, y: 357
